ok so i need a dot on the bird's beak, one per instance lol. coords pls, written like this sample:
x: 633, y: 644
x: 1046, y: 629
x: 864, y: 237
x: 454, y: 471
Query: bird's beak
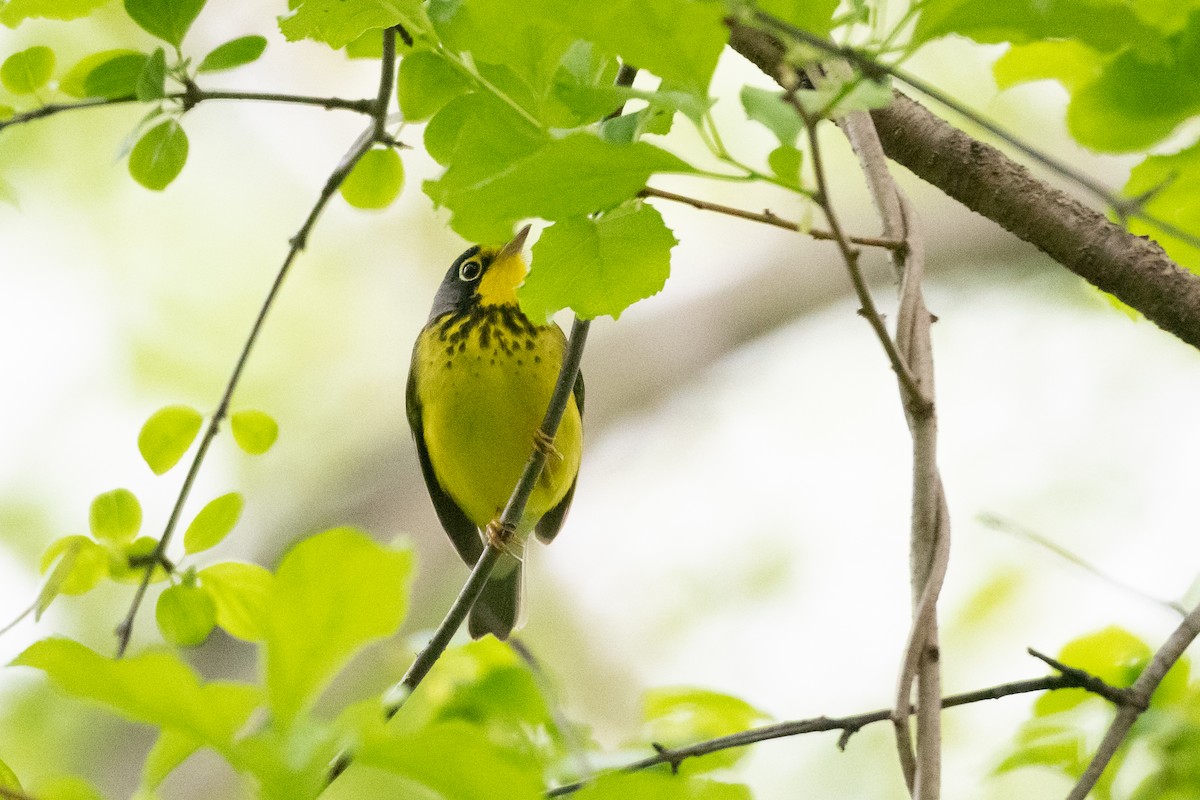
x: 515, y: 247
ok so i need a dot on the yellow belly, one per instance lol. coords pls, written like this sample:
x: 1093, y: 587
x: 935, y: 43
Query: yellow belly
x: 483, y: 396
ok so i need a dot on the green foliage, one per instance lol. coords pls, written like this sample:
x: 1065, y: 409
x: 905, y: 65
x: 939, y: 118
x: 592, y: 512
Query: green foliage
x: 27, y: 71
x: 1170, y: 185
x: 169, y: 20
x: 234, y: 53
x: 186, y: 615
x: 768, y: 107
x: 116, y: 517
x: 375, y: 181
x: 337, y: 23
x: 599, y: 265
x: 111, y: 73
x: 659, y: 786
x: 80, y: 563
x: 151, y: 80
x: 15, y: 12
x: 425, y: 82
x: 676, y: 716
x: 254, y: 431
x: 167, y: 435
x: 159, y: 156
x: 239, y: 591
x: 213, y: 523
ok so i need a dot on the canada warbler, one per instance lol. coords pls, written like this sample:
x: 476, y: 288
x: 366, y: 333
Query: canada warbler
x: 481, y: 378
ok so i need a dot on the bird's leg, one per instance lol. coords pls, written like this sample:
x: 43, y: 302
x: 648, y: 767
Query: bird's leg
x: 500, y: 536
x: 544, y: 442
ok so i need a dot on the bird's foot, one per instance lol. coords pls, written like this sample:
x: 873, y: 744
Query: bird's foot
x: 500, y: 536
x: 544, y: 443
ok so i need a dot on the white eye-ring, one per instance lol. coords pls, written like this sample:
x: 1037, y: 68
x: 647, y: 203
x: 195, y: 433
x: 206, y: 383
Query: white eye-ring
x: 469, y: 271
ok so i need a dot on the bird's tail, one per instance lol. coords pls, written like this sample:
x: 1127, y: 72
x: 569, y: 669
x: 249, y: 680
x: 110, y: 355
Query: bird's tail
x: 498, y: 609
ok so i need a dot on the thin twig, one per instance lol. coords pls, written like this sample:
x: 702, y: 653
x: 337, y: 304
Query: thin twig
x: 191, y: 96
x: 872, y: 68
x: 1073, y: 679
x: 999, y: 523
x: 124, y: 630
x: 1137, y: 701
x: 768, y: 217
x: 576, y: 746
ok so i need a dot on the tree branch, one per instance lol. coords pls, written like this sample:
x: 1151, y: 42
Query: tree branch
x: 1073, y: 679
x: 124, y: 630
x: 1137, y: 700
x: 1135, y: 270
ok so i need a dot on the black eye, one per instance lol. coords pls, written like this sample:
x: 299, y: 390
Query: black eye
x: 469, y: 271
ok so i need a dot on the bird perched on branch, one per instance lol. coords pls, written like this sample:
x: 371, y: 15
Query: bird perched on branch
x: 481, y: 379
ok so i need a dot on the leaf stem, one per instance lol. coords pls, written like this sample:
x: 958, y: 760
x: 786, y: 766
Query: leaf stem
x: 297, y: 243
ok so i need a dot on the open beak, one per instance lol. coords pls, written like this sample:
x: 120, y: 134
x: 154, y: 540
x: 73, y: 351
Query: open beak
x: 515, y: 247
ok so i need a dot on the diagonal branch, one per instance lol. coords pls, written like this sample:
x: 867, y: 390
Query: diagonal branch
x: 298, y: 242
x: 1135, y: 270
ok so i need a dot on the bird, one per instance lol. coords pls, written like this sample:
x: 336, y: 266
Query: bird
x: 479, y: 384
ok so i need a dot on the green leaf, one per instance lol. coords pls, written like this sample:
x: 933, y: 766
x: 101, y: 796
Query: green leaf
x: 27, y: 71
x: 333, y: 594
x: 185, y: 614
x: 17, y: 11
x: 1102, y: 24
x: 425, y: 82
x: 159, y: 155
x: 369, y: 45
x: 375, y: 181
x: 785, y: 162
x: 234, y: 53
x: 1171, y: 186
x: 254, y: 431
x: 659, y: 786
x: 598, y: 266
x: 339, y: 22
x: 8, y: 778
x: 1044, y: 743
x: 481, y: 135
x: 128, y: 564
x: 570, y: 177
x: 1113, y: 654
x: 74, y: 81
x: 769, y: 108
x: 240, y: 592
x: 814, y: 16
x: 170, y: 750
x: 155, y: 687
x: 167, y: 435
x: 67, y: 788
x: 116, y: 516
x: 456, y: 760
x: 169, y: 20
x: 1071, y: 63
x: 151, y: 81
x: 673, y: 717
x: 213, y: 523
x: 87, y: 563
x: 115, y: 76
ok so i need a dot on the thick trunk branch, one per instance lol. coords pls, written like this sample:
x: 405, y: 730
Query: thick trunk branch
x: 1135, y: 270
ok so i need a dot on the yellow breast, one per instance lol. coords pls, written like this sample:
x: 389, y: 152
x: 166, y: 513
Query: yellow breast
x: 484, y: 382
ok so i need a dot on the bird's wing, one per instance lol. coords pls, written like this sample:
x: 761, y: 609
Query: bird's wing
x: 547, y: 527
x: 462, y: 532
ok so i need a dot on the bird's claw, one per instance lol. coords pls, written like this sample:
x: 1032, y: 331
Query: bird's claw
x: 544, y: 443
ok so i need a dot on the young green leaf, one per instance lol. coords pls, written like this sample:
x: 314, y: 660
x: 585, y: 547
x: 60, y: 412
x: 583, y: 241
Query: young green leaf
x: 240, y: 592
x: 170, y: 750
x: 116, y: 516
x: 455, y: 759
x: 8, y: 778
x: 339, y: 22
x: 86, y: 564
x: 27, y: 71
x: 167, y: 435
x: 151, y: 81
x: 117, y: 75
x: 185, y: 614
x: 814, y: 16
x: 769, y: 108
x: 17, y: 11
x: 480, y: 134
x: 128, y: 564
x: 598, y: 266
x: 254, y: 431
x: 159, y: 155
x: 154, y: 687
x: 673, y: 717
x: 1172, y: 185
x: 74, y: 82
x: 375, y: 181
x: 234, y: 53
x: 213, y: 523
x: 785, y: 162
x: 169, y: 20
x: 570, y: 177
x: 334, y: 593
x: 425, y: 82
